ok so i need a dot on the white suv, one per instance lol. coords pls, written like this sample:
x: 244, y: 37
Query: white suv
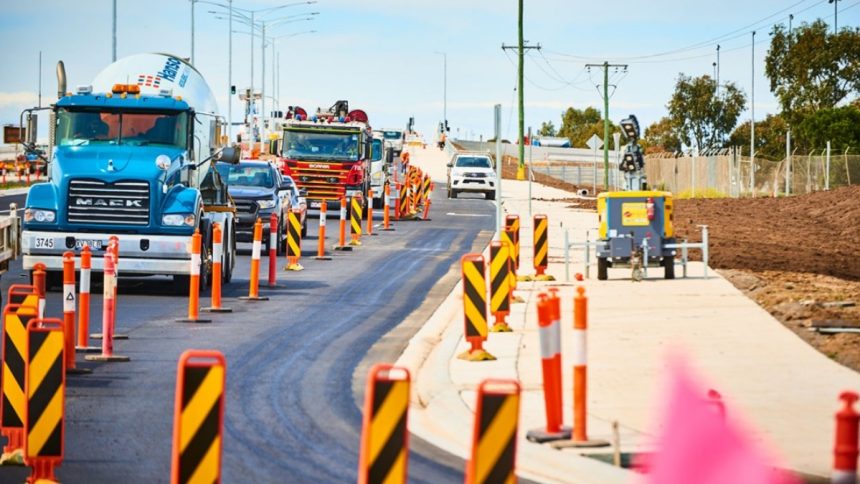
x: 471, y: 173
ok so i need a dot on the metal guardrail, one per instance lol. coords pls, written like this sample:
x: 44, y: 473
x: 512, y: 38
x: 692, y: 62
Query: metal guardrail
x: 586, y: 247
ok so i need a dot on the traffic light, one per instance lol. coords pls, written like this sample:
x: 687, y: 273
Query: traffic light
x: 232, y: 90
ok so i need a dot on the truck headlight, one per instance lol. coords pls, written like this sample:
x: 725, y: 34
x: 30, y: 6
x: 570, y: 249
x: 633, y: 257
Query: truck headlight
x: 178, y: 219
x: 265, y: 204
x: 38, y: 215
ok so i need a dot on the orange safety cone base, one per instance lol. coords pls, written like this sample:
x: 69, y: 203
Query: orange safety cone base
x: 501, y: 327
x: 479, y: 354
x: 116, y: 336
x: 190, y: 320
x: 325, y: 257
x: 294, y: 267
x: 111, y: 358
x: 78, y: 371
x: 87, y: 349
x: 256, y: 298
x: 541, y: 435
x: 14, y: 458
x: 219, y: 310
x: 389, y: 229
x: 570, y: 444
x: 344, y: 248
x: 542, y: 277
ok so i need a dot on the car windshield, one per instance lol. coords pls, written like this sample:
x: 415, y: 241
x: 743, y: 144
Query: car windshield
x: 80, y: 127
x: 321, y: 145
x: 247, y: 175
x: 473, y: 162
x: 392, y: 134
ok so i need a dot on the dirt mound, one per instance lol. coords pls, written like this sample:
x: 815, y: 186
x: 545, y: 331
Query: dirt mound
x: 816, y: 233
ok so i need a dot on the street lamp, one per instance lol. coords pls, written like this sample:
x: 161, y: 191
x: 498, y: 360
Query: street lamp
x: 835, y: 15
x: 444, y: 90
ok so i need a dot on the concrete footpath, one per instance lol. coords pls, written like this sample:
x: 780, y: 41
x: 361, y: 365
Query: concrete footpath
x: 768, y: 377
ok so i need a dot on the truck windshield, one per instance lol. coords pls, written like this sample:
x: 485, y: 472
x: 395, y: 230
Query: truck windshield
x: 80, y: 127
x: 392, y: 134
x: 246, y: 175
x: 321, y: 145
x: 376, y: 150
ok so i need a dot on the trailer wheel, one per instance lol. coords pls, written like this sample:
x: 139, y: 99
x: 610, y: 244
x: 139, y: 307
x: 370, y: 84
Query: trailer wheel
x: 602, y: 269
x: 230, y: 254
x: 668, y: 267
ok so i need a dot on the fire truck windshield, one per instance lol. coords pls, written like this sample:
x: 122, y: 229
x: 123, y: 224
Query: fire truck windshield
x: 321, y: 145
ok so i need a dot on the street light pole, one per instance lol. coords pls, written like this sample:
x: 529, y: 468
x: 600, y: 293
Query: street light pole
x: 191, y: 58
x: 113, y: 58
x: 444, y: 90
x: 835, y: 15
x: 230, y: 74
x: 752, y: 116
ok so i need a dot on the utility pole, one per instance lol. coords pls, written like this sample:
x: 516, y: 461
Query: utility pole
x: 521, y: 48
x: 835, y: 15
x: 718, y: 68
x: 113, y: 59
x: 606, y: 66
x: 752, y: 117
x: 230, y: 75
x: 191, y: 58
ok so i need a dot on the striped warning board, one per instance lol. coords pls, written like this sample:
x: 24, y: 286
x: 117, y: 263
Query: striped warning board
x: 404, y: 200
x: 512, y: 223
x: 494, y: 438
x: 541, y: 244
x: 427, y: 183
x: 355, y: 216
x: 474, y: 296
x: 384, y: 437
x: 507, y: 236
x: 500, y: 284
x: 198, y: 417
x: 15, y: 320
x: 45, y: 387
x: 294, y: 235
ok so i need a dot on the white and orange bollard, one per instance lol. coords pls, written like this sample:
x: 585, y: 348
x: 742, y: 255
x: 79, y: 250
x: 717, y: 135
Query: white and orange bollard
x: 549, y: 331
x: 845, y: 450
x: 386, y: 215
x: 579, y: 437
x: 321, y: 233
x: 273, y: 250
x: 84, y: 302
x: 257, y: 246
x: 341, y: 241
x: 108, y: 312
x: 217, y: 270
x: 69, y: 313
x: 370, y: 212
x: 194, y: 282
x: 40, y: 272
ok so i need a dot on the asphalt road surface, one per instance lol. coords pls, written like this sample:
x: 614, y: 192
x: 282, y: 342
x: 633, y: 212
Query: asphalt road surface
x: 292, y: 383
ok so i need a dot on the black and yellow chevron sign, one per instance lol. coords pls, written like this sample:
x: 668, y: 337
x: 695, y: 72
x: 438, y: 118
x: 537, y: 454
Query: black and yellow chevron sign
x: 384, y: 445
x: 355, y: 215
x: 540, y: 241
x: 500, y: 277
x: 404, y: 200
x: 507, y: 236
x: 495, y: 433
x: 474, y: 296
x: 45, y: 389
x: 427, y: 182
x: 294, y: 235
x: 512, y: 223
x: 198, y: 418
x: 15, y: 319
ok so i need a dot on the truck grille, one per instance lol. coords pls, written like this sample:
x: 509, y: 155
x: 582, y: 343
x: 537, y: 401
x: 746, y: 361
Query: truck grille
x: 321, y: 184
x: 119, y: 203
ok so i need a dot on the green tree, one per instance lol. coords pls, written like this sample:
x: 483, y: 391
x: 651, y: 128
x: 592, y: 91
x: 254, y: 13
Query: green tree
x: 547, y: 129
x: 700, y: 115
x: 769, y: 137
x: 660, y: 137
x: 578, y: 125
x: 840, y: 126
x: 812, y: 68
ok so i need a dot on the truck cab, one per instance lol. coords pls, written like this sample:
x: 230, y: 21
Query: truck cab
x: 133, y: 161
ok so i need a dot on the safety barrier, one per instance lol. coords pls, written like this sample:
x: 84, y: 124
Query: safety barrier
x: 845, y: 450
x: 321, y: 235
x: 370, y: 212
x: 540, y: 241
x: 549, y: 332
x: 686, y: 246
x: 508, y: 236
x: 579, y: 437
x: 500, y: 280
x: 194, y: 284
x: 403, y: 204
x: 386, y: 217
x: 294, y: 240
x: 69, y: 313
x: 108, y: 312
x: 512, y: 224
x: 384, y: 450
x: 428, y: 202
x: 22, y: 307
x: 84, y: 302
x: 586, y: 246
x: 274, y: 244
x: 341, y: 242
x: 198, y: 419
x: 494, y: 433
x: 217, y: 270
x: 474, y: 307
x: 256, y: 247
x: 355, y: 221
x: 45, y: 389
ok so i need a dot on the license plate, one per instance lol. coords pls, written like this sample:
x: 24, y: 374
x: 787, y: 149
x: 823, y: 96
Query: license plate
x: 316, y: 204
x: 44, y: 242
x: 353, y: 193
x: 91, y: 243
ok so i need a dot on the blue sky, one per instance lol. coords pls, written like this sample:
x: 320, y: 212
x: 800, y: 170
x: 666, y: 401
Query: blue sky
x: 380, y: 54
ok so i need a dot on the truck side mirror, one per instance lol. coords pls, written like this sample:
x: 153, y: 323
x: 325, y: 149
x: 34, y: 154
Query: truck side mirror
x: 32, y: 128
x: 303, y: 192
x: 450, y: 165
x: 229, y: 155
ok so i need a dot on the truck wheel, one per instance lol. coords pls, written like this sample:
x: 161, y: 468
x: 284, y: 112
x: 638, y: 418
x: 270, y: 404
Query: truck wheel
x: 305, y: 229
x: 229, y: 255
x: 490, y: 195
x: 181, y: 282
x: 602, y: 269
x: 450, y: 193
x: 668, y: 267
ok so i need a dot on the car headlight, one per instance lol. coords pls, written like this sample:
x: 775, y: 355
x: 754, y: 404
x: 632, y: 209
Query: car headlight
x: 178, y: 219
x: 265, y: 203
x: 38, y: 215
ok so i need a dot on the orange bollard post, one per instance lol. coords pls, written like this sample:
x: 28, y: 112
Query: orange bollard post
x: 84, y: 302
x: 194, y: 284
x: 321, y: 233
x: 398, y: 201
x: 386, y: 214
x: 113, y: 248
x: 69, y: 313
x: 580, y: 376
x: 370, y: 212
x: 108, y: 313
x: 39, y: 275
x: 273, y: 249
x: 549, y: 330
x: 494, y: 433
x: 341, y: 241
x: 254, y: 286
x: 845, y: 450
x: 217, y: 270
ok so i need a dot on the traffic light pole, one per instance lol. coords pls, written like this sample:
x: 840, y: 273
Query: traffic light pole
x: 606, y: 66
